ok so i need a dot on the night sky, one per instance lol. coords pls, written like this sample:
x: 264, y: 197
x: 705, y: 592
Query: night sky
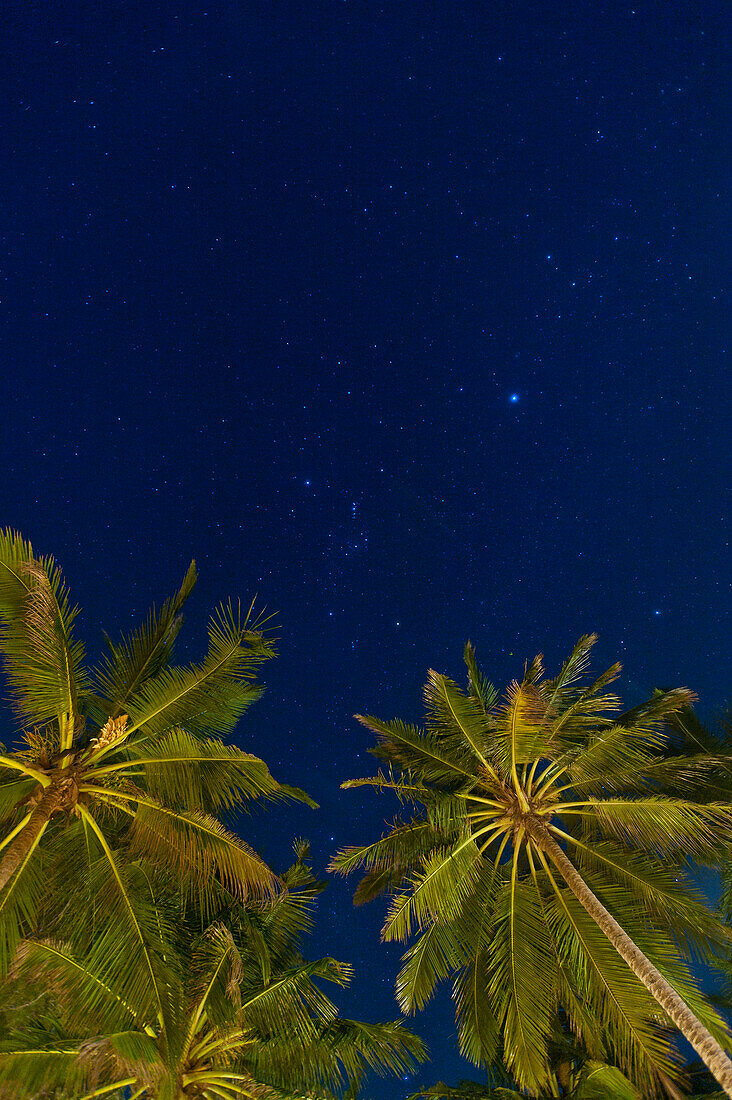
x: 408, y: 317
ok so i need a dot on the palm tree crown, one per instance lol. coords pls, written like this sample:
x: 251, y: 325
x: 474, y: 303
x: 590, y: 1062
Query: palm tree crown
x: 244, y: 1015
x: 548, y: 836
x: 129, y: 753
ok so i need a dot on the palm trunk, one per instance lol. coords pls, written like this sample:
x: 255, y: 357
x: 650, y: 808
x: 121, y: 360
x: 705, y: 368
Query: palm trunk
x: 690, y: 1027
x: 28, y: 837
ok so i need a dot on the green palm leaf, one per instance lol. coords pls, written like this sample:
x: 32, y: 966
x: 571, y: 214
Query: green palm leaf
x: 87, y: 1001
x: 128, y: 951
x: 408, y: 748
x: 522, y: 982
x: 15, y: 555
x: 43, y: 661
x: 458, y: 722
x: 385, y: 1048
x: 669, y: 827
x: 436, y: 892
x: 402, y: 845
x: 621, y: 1003
x: 436, y: 954
x: 19, y: 903
x: 294, y: 1001
x: 683, y: 912
x: 631, y: 742
x: 13, y: 794
x: 603, y: 1082
x: 467, y: 1090
x: 29, y: 1073
x: 194, y: 772
x: 142, y: 654
x: 478, y: 1029
x: 521, y: 733
x: 198, y: 846
x: 209, y: 697
x: 479, y: 688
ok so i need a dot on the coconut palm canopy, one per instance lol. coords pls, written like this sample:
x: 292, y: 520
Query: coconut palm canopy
x: 129, y: 751
x: 237, y: 1013
x: 534, y: 825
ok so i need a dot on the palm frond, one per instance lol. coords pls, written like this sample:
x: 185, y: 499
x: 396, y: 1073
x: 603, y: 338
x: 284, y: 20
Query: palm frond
x: 612, y: 754
x: 375, y: 883
x: 13, y: 794
x: 661, y: 891
x: 193, y: 772
x: 522, y: 733
x: 34, y: 1072
x: 602, y: 1082
x: 479, y: 688
x: 86, y: 1001
x: 458, y: 722
x: 403, y: 789
x: 655, y: 713
x: 293, y: 1001
x: 210, y: 697
x: 19, y: 903
x: 521, y: 982
x: 43, y: 661
x: 668, y: 826
x: 336, y: 1056
x: 466, y: 1090
x: 386, y: 1048
x: 128, y: 952
x: 217, y: 971
x: 15, y: 555
x: 411, y: 749
x: 436, y: 892
x: 659, y: 947
x: 290, y: 914
x: 578, y: 713
x: 624, y: 1008
x: 436, y: 954
x: 143, y: 653
x: 401, y: 846
x: 573, y: 669
x: 478, y: 1029
x: 198, y: 846
x: 121, y: 1058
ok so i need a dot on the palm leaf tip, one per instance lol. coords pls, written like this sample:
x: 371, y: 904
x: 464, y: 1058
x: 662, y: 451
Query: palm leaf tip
x: 144, y: 652
x: 15, y: 554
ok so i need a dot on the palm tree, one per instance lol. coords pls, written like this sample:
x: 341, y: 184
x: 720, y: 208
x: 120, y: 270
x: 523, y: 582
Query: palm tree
x: 546, y: 848
x: 128, y: 751
x: 244, y: 1015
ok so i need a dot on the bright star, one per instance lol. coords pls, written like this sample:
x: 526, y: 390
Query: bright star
x: 514, y: 398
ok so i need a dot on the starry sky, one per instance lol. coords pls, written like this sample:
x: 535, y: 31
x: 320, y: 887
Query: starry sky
x: 409, y: 317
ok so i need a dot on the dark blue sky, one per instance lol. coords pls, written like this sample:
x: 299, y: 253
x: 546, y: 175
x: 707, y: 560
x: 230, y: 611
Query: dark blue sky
x: 410, y: 317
